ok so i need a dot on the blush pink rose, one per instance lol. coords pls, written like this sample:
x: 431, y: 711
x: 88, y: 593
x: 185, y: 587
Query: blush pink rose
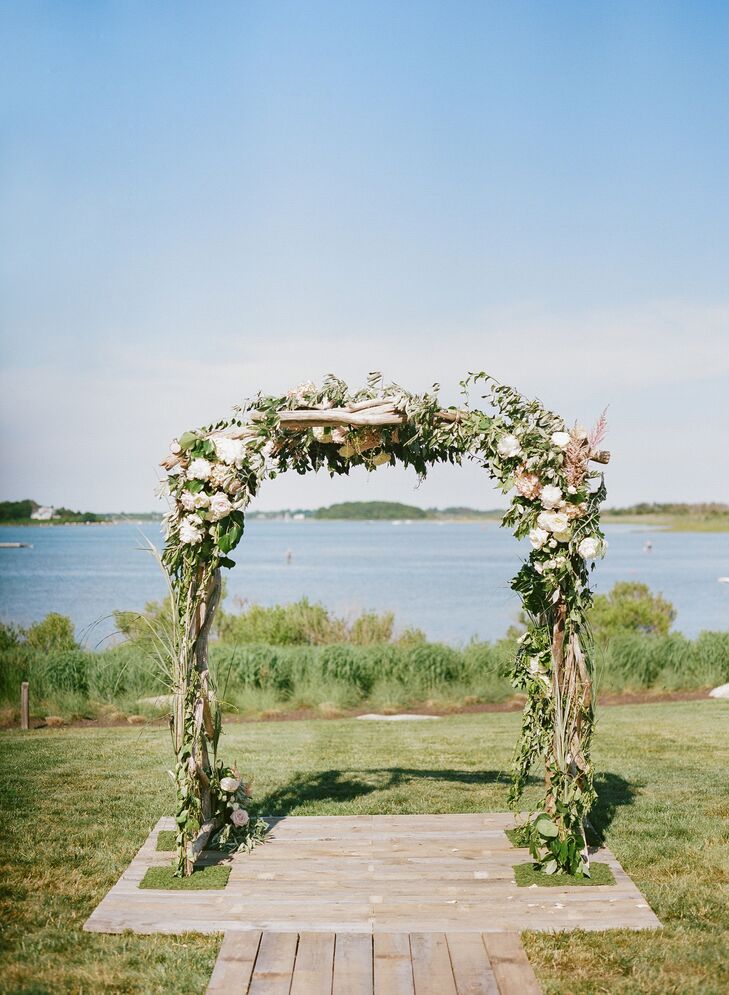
x: 239, y: 817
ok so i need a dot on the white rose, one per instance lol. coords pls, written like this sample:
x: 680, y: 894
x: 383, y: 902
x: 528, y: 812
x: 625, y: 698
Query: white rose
x: 230, y: 451
x: 538, y: 537
x: 229, y: 784
x: 220, y: 506
x: 175, y: 448
x: 563, y: 536
x: 553, y: 521
x: 508, y: 446
x: 534, y: 665
x: 560, y: 439
x: 551, y: 496
x: 190, y: 532
x: 194, y: 502
x: 591, y: 547
x: 199, y: 469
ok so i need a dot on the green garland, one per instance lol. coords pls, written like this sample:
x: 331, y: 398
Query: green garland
x: 214, y: 472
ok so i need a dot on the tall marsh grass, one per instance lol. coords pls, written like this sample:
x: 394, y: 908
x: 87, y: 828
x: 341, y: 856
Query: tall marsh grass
x: 301, y: 656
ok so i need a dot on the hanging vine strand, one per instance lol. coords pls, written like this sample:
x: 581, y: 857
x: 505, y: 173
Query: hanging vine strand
x: 214, y: 472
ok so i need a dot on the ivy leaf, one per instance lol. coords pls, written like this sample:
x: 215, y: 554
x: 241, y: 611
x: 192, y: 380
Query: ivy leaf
x: 187, y: 440
x: 230, y: 538
x: 545, y: 827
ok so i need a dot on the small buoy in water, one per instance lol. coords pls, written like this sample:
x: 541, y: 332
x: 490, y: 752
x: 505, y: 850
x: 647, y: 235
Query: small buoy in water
x: 648, y: 547
x: 289, y: 556
x: 724, y: 580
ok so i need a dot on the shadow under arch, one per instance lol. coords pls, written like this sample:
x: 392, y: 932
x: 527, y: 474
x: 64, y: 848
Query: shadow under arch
x: 349, y: 784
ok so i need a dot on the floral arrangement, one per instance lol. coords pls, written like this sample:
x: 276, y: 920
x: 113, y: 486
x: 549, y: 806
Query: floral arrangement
x: 214, y: 472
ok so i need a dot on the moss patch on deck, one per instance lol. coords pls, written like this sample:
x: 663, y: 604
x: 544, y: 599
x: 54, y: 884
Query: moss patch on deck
x: 202, y: 879
x: 528, y: 874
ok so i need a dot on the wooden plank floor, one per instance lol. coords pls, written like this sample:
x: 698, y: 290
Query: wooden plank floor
x: 326, y: 963
x: 393, y: 874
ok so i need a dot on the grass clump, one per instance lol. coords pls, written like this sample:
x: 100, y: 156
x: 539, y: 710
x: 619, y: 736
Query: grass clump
x: 202, y: 879
x: 518, y: 836
x: 529, y: 874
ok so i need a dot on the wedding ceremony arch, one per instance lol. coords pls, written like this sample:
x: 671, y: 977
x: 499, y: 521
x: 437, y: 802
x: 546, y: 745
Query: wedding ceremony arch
x: 214, y: 472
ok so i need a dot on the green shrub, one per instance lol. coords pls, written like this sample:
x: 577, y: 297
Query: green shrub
x: 372, y: 628
x: 54, y: 633
x: 631, y: 607
x: 299, y: 623
x: 305, y: 624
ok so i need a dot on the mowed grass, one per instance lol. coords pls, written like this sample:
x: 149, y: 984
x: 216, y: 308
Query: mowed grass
x: 77, y: 804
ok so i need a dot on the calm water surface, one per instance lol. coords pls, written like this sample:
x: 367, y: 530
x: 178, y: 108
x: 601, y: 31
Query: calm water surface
x: 451, y: 580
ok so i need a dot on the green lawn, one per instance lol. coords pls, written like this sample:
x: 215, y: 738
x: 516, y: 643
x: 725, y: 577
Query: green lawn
x: 77, y: 804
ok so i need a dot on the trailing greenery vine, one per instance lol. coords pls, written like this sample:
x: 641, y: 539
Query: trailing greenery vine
x: 215, y: 471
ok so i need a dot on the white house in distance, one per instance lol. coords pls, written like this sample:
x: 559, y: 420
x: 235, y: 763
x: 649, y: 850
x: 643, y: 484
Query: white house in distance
x: 43, y: 514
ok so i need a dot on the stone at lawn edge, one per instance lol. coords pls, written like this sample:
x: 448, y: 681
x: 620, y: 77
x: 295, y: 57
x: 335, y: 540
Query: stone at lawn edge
x: 374, y: 717
x: 721, y: 692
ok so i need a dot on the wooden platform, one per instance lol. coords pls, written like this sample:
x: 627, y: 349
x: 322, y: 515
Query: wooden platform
x: 255, y: 963
x: 403, y: 874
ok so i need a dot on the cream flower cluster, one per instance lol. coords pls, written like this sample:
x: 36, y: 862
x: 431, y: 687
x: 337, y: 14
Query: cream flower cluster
x: 556, y: 513
x: 197, y: 512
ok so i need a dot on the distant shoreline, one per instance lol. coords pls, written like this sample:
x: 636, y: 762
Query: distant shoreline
x: 672, y: 517
x: 25, y: 524
x: 665, y: 524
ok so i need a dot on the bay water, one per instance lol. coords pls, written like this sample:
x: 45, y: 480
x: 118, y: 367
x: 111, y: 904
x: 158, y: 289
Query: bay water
x: 450, y: 579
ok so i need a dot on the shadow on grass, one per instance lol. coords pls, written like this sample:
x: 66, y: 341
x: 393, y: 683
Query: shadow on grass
x: 347, y: 785
x: 613, y: 791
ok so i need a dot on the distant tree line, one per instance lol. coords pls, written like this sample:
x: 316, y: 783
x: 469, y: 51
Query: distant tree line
x: 21, y: 511
x: 656, y: 508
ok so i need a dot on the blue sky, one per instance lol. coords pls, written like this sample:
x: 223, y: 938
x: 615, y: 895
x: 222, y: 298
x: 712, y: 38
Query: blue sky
x: 200, y: 201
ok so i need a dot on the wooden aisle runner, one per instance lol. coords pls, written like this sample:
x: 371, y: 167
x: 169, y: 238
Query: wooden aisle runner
x: 271, y: 963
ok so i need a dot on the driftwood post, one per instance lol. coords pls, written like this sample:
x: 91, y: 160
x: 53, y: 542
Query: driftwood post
x: 25, y: 705
x: 195, y: 721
